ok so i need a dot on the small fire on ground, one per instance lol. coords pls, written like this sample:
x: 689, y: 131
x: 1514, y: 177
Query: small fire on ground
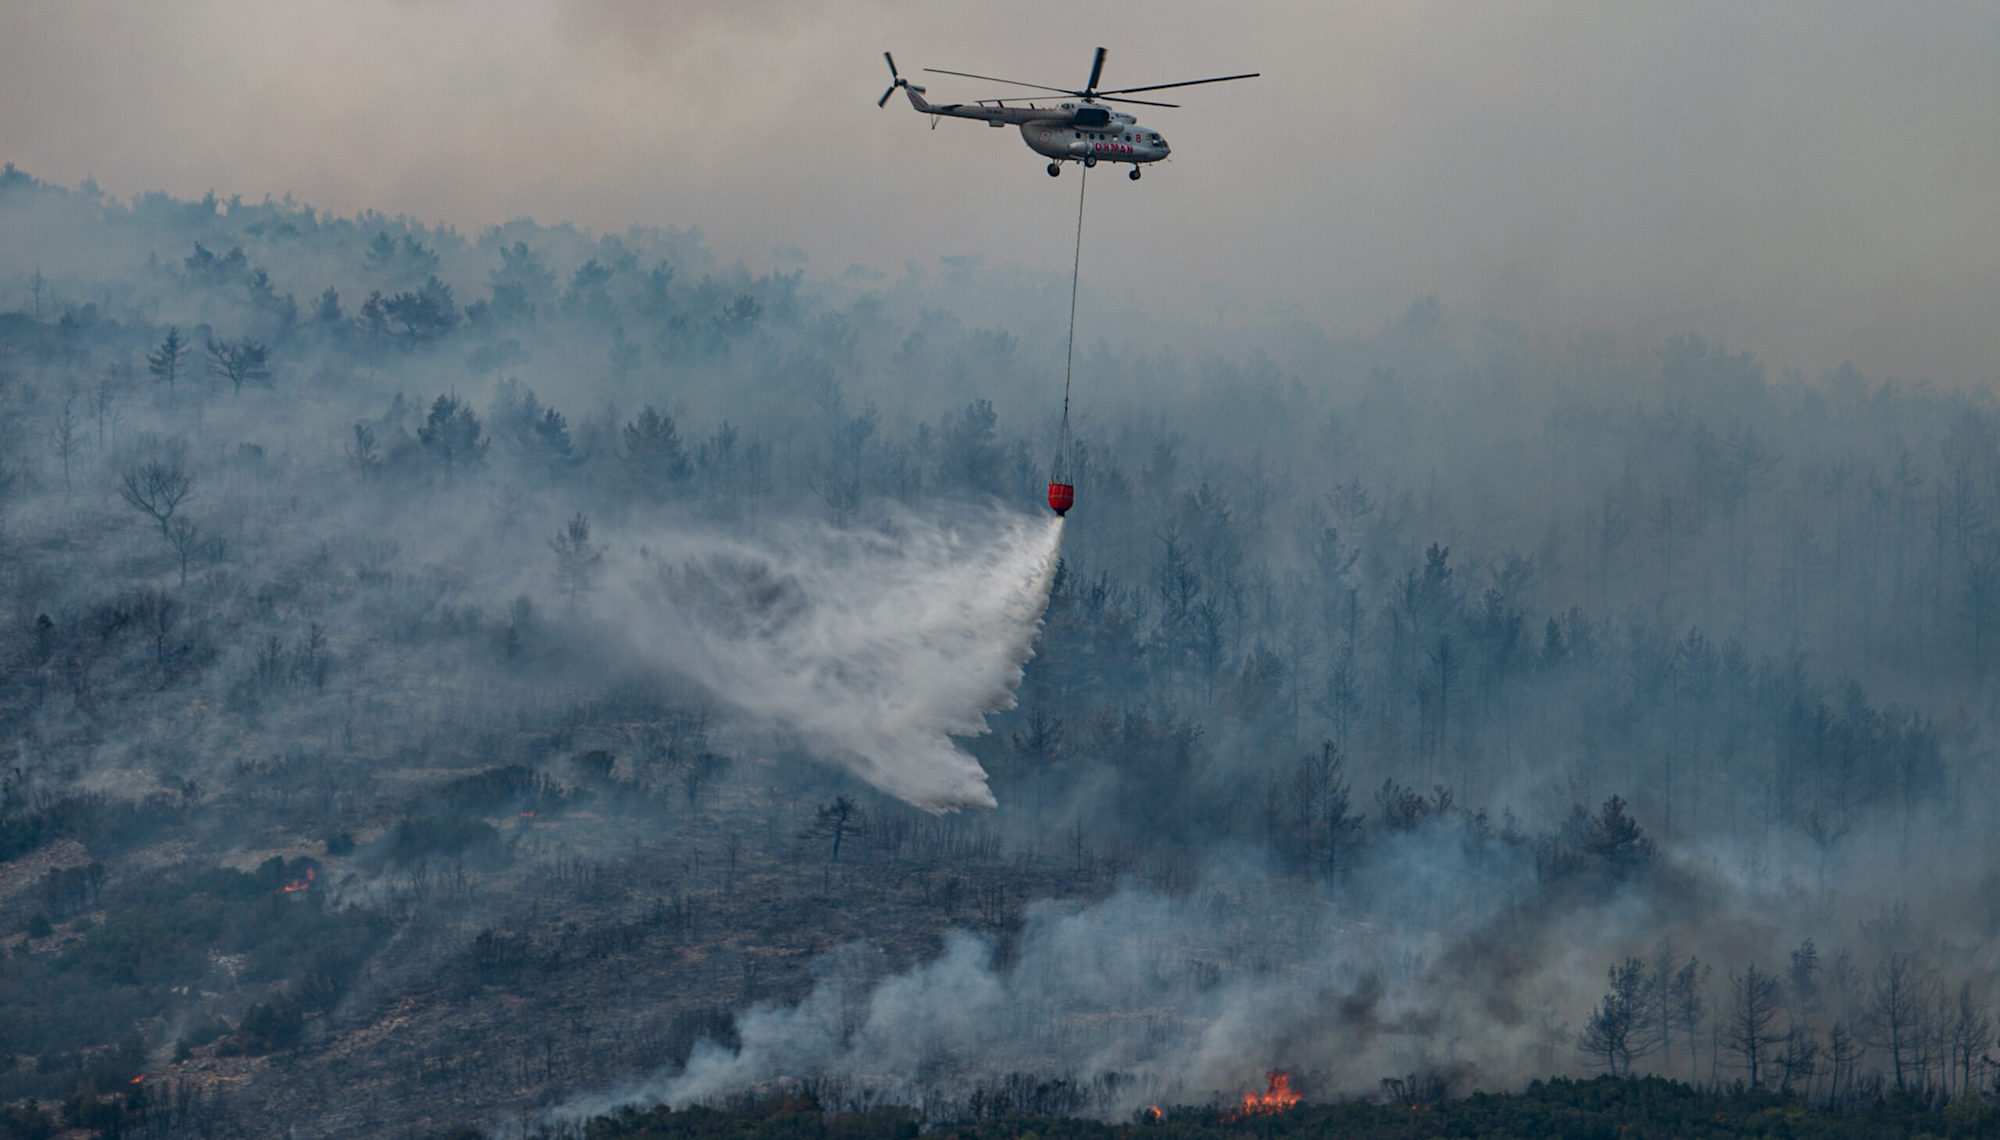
x: 297, y: 885
x: 1274, y: 1100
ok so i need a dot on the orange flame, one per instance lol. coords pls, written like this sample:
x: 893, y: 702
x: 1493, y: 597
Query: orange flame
x: 1153, y: 1113
x: 137, y: 1079
x: 1279, y: 1097
x: 297, y: 885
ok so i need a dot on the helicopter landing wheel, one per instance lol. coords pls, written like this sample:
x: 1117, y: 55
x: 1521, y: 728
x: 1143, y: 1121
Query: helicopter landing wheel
x: 1055, y: 168
x: 1134, y: 176
x: 1089, y: 160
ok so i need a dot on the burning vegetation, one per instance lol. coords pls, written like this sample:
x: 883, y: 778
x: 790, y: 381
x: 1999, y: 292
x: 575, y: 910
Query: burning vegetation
x: 1279, y: 1097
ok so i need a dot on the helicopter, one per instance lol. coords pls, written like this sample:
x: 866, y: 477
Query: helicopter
x: 1072, y: 131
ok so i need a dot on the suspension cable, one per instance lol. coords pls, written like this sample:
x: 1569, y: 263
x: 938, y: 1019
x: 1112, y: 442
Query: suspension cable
x: 1069, y: 362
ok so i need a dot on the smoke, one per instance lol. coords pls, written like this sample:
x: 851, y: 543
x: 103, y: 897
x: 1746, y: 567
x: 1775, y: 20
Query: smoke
x: 1169, y: 737
x: 1441, y: 957
x: 1147, y: 997
x: 874, y: 647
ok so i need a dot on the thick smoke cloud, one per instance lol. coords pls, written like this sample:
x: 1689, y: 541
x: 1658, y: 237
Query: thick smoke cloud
x: 1424, y: 961
x: 875, y: 647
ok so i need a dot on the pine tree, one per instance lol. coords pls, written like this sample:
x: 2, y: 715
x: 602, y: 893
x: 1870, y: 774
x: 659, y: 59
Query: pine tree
x: 165, y: 361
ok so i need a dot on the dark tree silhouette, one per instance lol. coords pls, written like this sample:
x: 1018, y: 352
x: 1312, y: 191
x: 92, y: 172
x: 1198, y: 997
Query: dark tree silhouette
x: 1752, y: 1030
x: 424, y: 314
x: 165, y: 361
x: 184, y: 535
x: 246, y: 360
x: 1406, y: 809
x: 834, y: 820
x: 158, y: 482
x: 1901, y: 993
x: 1614, y: 838
x: 1619, y: 1031
x: 452, y: 434
x: 1328, y: 831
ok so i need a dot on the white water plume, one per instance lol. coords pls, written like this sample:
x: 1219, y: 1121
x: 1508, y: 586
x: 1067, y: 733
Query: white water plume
x: 874, y: 647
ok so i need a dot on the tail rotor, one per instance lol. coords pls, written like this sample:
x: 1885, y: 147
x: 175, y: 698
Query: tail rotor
x: 899, y: 81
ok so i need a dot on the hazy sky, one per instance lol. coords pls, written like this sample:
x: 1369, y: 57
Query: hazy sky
x: 1812, y: 181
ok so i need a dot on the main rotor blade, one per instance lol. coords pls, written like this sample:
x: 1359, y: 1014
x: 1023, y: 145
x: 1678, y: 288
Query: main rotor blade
x: 1141, y: 102
x: 1185, y: 83
x: 1096, y: 71
x: 1015, y: 82
x: 892, y: 64
x: 884, y: 100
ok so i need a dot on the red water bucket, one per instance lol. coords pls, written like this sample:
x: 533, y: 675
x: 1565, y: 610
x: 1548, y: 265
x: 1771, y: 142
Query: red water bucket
x: 1062, y: 497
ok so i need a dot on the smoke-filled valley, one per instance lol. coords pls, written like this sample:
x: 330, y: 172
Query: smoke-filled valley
x: 486, y: 681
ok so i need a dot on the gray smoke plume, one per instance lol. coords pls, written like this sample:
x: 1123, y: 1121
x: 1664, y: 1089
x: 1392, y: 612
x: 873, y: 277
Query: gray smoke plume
x: 1436, y: 958
x: 1148, y: 998
x: 875, y: 647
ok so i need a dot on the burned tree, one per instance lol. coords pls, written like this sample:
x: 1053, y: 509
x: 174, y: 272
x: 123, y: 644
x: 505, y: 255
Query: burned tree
x: 65, y: 440
x: 159, y: 616
x: 157, y: 481
x: 185, y: 537
x: 834, y: 820
x: 1903, y: 993
x: 1752, y: 1029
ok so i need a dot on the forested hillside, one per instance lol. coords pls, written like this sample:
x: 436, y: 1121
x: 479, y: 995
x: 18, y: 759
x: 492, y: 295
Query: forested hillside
x: 1455, y: 705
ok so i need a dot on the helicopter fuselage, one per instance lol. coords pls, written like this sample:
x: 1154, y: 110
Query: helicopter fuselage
x: 1068, y: 131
